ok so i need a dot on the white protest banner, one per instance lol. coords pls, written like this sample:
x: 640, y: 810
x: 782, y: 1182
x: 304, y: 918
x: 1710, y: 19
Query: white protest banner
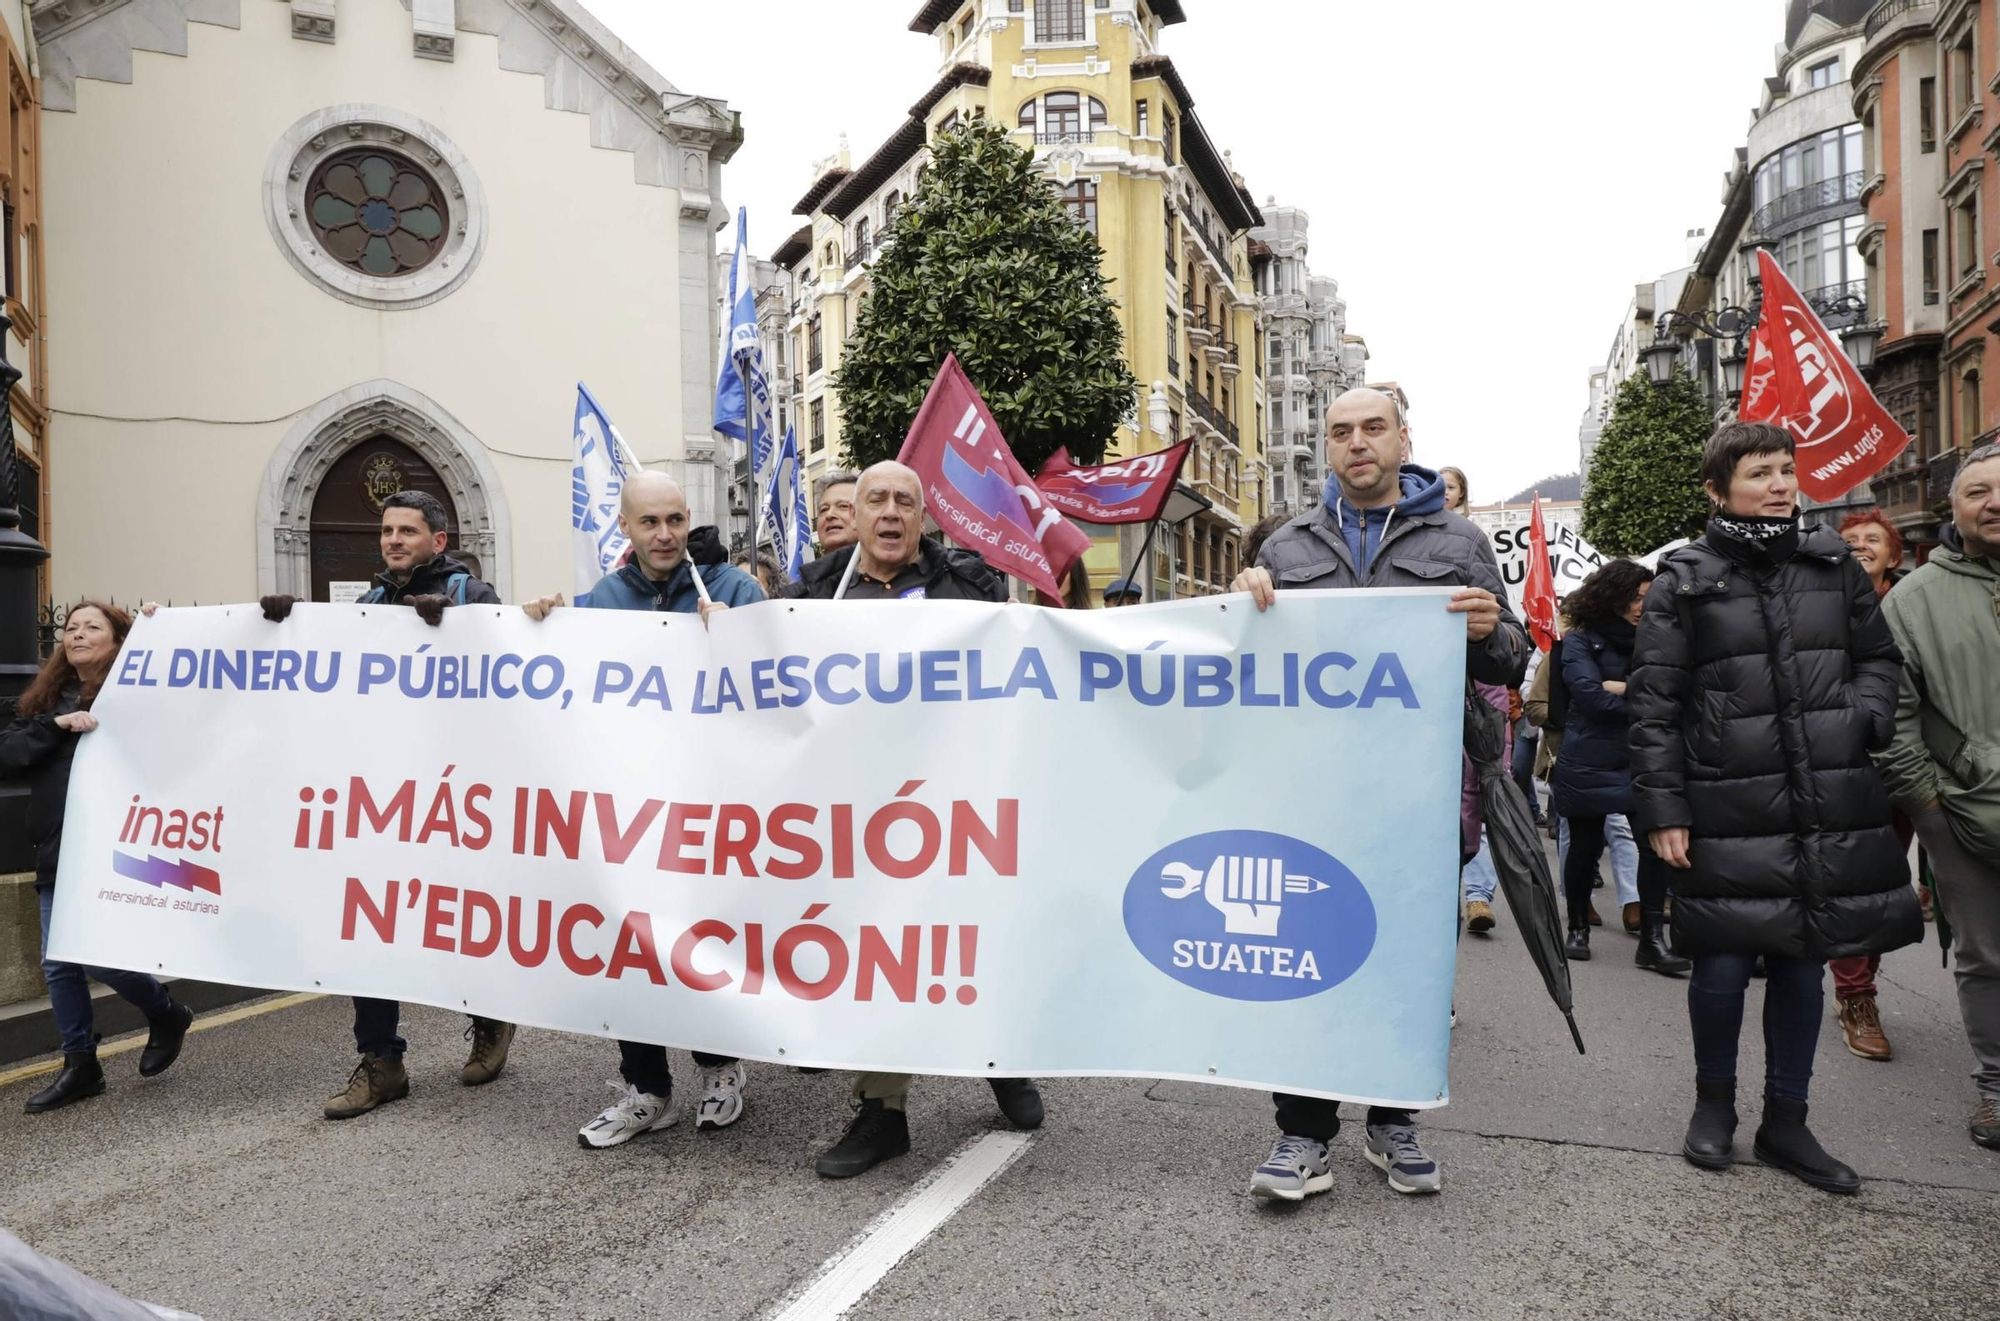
x: 1571, y: 560
x: 1187, y: 840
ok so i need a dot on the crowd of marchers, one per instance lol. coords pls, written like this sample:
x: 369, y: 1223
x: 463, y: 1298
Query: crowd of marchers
x: 1757, y: 728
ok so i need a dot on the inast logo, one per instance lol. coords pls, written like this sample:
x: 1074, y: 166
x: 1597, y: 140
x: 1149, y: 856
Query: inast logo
x: 1250, y: 915
x: 156, y: 872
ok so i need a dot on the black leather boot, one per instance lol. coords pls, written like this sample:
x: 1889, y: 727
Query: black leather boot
x: 81, y: 1077
x: 1784, y: 1142
x: 1711, y: 1135
x: 1577, y: 947
x: 876, y: 1134
x: 1653, y: 953
x: 163, y: 1043
x: 1019, y: 1101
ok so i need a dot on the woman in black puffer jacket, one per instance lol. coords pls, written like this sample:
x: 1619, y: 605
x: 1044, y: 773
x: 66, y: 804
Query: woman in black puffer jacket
x: 1763, y: 676
x: 1592, y: 778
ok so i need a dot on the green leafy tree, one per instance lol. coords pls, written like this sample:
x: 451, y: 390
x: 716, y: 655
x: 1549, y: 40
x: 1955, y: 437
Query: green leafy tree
x: 986, y: 262
x: 1645, y: 478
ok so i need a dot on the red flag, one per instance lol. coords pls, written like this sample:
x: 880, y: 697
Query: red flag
x: 1844, y: 436
x: 1760, y: 400
x: 1538, y: 593
x: 1132, y: 490
x: 979, y: 493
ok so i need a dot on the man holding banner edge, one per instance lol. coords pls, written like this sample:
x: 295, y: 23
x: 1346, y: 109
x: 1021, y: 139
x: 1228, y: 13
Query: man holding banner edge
x: 1382, y: 524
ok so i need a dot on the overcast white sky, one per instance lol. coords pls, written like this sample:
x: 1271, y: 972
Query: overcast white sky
x: 1486, y: 181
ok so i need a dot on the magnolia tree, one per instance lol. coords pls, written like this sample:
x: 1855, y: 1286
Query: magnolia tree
x: 1645, y: 477
x: 986, y: 262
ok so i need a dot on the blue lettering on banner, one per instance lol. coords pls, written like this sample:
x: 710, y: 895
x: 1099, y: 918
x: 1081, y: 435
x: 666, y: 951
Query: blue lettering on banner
x: 1250, y: 915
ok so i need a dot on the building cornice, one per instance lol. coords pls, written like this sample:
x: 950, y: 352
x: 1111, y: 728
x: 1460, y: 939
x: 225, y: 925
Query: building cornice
x: 673, y: 137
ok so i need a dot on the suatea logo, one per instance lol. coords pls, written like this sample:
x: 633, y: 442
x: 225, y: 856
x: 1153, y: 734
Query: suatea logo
x: 1250, y: 915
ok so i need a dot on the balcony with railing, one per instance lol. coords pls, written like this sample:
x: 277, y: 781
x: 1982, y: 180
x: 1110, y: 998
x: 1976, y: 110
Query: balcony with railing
x: 1231, y: 364
x: 1801, y: 206
x: 1212, y: 415
x: 1217, y: 349
x: 1882, y: 15
x: 1078, y: 137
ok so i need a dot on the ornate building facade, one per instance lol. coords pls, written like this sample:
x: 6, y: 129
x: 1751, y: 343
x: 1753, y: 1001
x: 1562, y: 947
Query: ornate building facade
x: 312, y: 252
x: 1310, y: 357
x: 1085, y: 85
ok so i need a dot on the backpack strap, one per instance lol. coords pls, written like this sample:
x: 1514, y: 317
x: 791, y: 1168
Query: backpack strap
x: 373, y: 596
x: 454, y: 587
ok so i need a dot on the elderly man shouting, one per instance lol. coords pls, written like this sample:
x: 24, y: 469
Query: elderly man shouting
x: 893, y: 561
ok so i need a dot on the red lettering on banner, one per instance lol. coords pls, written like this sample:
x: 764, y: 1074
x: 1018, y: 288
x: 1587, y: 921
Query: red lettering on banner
x: 682, y: 957
x: 635, y: 949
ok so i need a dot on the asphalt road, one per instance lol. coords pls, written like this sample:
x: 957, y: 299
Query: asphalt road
x: 217, y: 1188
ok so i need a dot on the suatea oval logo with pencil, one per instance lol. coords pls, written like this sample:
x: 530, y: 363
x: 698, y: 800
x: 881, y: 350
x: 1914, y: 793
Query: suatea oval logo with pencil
x: 1251, y: 915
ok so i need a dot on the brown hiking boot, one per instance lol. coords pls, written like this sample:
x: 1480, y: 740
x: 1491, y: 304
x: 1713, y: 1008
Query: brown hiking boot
x: 1595, y: 920
x: 1862, y: 1026
x: 1986, y: 1123
x: 1478, y: 916
x: 375, y: 1081
x: 1631, y: 917
x: 490, y: 1039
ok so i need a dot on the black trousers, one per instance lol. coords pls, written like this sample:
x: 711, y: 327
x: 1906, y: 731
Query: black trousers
x: 1586, y: 850
x: 1319, y: 1119
x: 645, y: 1066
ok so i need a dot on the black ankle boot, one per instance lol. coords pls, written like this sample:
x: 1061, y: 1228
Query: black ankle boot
x: 1711, y: 1135
x: 1653, y: 953
x: 1784, y: 1141
x: 81, y: 1077
x: 1019, y: 1100
x: 1577, y: 947
x: 163, y: 1043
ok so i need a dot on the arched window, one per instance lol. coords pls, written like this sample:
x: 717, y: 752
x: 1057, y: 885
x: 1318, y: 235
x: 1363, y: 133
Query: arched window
x: 861, y: 237
x: 1080, y: 197
x: 1968, y: 407
x: 1063, y: 115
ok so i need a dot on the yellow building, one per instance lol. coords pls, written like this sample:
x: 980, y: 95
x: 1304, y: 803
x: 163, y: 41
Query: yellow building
x: 1085, y: 84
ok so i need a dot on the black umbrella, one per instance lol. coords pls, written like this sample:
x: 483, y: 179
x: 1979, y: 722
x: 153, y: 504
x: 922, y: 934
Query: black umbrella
x: 1516, y: 849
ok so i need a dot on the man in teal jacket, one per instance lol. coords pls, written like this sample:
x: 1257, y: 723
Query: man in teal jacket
x: 652, y: 512
x: 1943, y: 766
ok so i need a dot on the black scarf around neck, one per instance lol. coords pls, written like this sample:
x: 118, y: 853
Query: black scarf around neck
x: 1755, y: 535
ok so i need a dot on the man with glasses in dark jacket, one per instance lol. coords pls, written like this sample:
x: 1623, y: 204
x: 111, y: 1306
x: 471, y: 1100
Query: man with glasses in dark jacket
x: 419, y: 572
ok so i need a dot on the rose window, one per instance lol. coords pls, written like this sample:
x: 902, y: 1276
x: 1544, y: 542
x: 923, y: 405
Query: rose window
x: 376, y: 213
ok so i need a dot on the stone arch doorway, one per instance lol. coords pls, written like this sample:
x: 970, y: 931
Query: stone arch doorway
x: 328, y: 453
x: 347, y: 514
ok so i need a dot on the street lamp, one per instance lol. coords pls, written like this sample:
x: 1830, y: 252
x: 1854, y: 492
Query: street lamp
x: 1861, y: 341
x: 1732, y: 364
x: 1661, y: 356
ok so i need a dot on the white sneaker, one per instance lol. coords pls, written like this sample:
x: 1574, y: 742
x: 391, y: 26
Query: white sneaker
x: 636, y: 1112
x: 721, y: 1097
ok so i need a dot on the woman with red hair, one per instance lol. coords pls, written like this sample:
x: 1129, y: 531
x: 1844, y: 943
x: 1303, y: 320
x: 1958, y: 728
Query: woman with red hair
x: 1878, y: 548
x: 51, y: 717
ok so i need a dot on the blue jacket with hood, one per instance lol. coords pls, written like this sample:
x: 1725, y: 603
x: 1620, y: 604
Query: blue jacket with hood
x: 627, y: 588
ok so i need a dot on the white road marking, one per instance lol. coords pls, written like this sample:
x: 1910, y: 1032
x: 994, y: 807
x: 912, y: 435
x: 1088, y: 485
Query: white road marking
x: 845, y: 1278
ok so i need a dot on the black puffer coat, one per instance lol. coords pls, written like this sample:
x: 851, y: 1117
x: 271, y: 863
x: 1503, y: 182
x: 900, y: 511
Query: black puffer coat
x: 1763, y: 675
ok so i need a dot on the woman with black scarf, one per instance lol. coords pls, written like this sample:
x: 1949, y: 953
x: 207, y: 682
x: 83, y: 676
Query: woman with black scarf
x: 1764, y: 675
x: 1592, y: 779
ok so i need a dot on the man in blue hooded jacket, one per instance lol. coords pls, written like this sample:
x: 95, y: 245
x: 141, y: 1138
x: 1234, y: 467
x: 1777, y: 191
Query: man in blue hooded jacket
x: 653, y: 514
x: 1383, y: 524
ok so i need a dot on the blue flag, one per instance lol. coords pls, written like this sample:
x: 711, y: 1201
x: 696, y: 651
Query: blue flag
x: 742, y: 394
x: 785, y: 507
x: 597, y: 479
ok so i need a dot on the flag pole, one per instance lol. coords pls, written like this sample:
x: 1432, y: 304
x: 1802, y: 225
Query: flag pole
x: 1146, y: 547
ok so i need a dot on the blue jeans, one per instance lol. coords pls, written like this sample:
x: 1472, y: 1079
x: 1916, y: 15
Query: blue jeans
x: 1480, y: 878
x: 1526, y: 741
x: 69, y: 989
x: 1624, y: 855
x: 1794, y: 1000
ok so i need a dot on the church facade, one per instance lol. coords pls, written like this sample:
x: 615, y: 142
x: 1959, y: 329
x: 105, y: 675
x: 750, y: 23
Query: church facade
x: 301, y: 254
